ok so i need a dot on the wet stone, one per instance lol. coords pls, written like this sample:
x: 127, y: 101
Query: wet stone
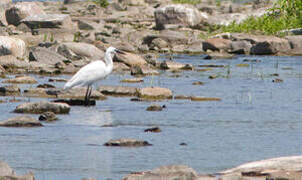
x: 153, y: 129
x: 182, y: 97
x: 132, y: 80
x: 155, y: 93
x: 154, y: 107
x: 118, y: 90
x: 198, y: 83
x: 48, y: 116
x: 21, y: 121
x: 56, y: 80
x: 10, y: 90
x: 41, y: 107
x: 200, y: 98
x: 125, y: 142
x: 277, y: 80
x: 46, y: 86
x: 21, y: 80
x: 76, y: 102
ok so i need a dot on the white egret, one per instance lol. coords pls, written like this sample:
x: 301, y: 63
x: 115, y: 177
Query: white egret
x: 93, y: 72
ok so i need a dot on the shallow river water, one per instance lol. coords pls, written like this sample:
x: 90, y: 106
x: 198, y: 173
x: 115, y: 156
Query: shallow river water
x: 256, y: 119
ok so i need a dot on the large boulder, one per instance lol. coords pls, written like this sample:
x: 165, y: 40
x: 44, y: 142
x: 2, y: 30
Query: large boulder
x: 171, y: 37
x: 45, y: 56
x: 37, y: 21
x: 21, y: 121
x: 13, y: 46
x: 170, y: 172
x: 12, y: 90
x: 41, y: 107
x: 130, y: 59
x: 72, y: 50
x: 155, y: 93
x: 216, y: 44
x: 21, y: 10
x: 178, y: 14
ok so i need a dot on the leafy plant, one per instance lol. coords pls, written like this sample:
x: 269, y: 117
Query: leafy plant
x: 193, y: 2
x: 102, y: 3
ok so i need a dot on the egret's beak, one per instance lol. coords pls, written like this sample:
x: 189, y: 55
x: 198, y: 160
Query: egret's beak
x: 119, y: 51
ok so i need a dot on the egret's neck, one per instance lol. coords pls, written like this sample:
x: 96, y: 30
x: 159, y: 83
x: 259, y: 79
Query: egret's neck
x: 108, y: 60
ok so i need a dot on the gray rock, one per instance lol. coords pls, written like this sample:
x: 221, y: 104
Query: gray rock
x: 76, y: 102
x: 193, y: 48
x: 79, y: 93
x: 84, y: 25
x: 216, y: 44
x: 179, y: 14
x: 21, y: 80
x: 48, y: 116
x: 172, y: 37
x: 297, y: 31
x: 12, y: 90
x: 130, y: 59
x: 295, y: 44
x: 13, y: 46
x: 81, y: 50
x: 41, y: 107
x: 21, y: 10
x: 21, y: 121
x: 11, y: 62
x: 5, y: 170
x: 240, y: 47
x: 118, y: 90
x: 155, y: 93
x: 125, y: 142
x: 154, y: 107
x: 46, y: 56
x: 48, y: 21
x: 172, y: 65
x: 143, y: 70
x: 171, y: 172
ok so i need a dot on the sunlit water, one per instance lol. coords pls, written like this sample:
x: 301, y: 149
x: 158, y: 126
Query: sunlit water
x: 256, y: 119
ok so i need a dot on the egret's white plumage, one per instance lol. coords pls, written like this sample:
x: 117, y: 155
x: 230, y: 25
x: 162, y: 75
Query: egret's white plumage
x: 93, y: 72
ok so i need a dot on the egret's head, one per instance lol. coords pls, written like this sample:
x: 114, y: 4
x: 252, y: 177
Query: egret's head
x: 112, y: 50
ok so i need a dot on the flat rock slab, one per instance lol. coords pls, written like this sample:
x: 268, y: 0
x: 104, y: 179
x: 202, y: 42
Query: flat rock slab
x: 12, y: 46
x: 43, y: 106
x: 172, y: 172
x: 200, y: 98
x: 175, y: 65
x: 132, y: 80
x: 155, y: 93
x: 21, y: 80
x: 21, y: 121
x: 118, y: 90
x: 47, y: 21
x: 130, y: 59
x: 125, y: 142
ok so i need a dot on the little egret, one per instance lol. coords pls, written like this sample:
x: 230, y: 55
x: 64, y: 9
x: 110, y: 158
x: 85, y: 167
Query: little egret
x: 93, y: 72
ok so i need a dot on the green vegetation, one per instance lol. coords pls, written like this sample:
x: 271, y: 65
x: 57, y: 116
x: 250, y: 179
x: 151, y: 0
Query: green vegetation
x: 286, y: 14
x: 102, y: 3
x: 194, y: 2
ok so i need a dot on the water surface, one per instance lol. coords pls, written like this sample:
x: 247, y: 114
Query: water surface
x: 256, y: 119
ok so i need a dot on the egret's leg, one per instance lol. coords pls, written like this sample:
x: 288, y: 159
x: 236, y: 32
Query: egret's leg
x: 86, y: 96
x: 89, y: 94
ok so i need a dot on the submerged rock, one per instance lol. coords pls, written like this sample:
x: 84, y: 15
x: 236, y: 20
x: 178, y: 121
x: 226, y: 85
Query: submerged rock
x: 76, y: 102
x: 21, y: 80
x: 154, y: 107
x: 21, y: 121
x: 200, y: 98
x: 43, y: 106
x: 48, y: 116
x: 132, y: 80
x: 155, y: 93
x: 175, y: 65
x: 153, y: 129
x: 170, y: 172
x: 127, y: 143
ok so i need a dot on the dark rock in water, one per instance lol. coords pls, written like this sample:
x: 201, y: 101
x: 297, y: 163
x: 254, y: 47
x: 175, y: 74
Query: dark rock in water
x: 21, y: 121
x: 211, y: 66
x: 154, y: 107
x: 183, y: 144
x: 277, y: 80
x: 252, y: 60
x: 153, y: 129
x: 75, y: 102
x: 43, y: 106
x: 46, y: 86
x: 56, y: 80
x: 12, y: 90
x: 172, y: 172
x: 48, y: 116
x: 125, y: 142
x: 214, y: 76
x: 198, y: 83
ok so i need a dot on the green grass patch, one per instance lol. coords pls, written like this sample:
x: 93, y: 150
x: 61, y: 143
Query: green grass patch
x: 102, y: 3
x: 193, y: 2
x: 285, y: 14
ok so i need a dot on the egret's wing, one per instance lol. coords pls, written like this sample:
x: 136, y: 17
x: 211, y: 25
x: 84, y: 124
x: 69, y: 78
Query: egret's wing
x: 87, y: 75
